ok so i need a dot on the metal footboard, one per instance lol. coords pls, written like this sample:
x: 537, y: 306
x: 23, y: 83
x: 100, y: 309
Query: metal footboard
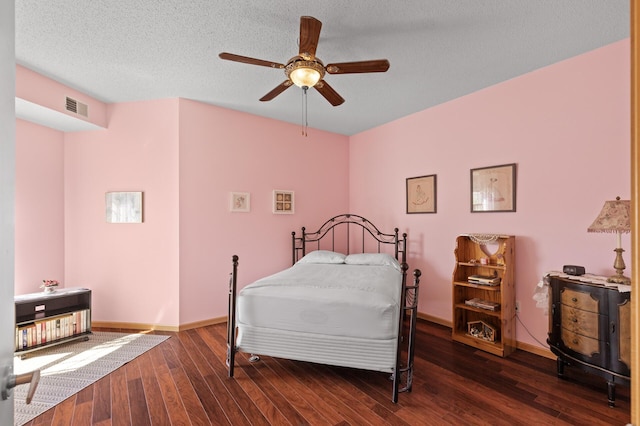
x: 403, y: 374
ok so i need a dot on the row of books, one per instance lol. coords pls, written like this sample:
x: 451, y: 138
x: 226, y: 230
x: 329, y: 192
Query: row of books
x: 50, y: 330
x: 483, y: 304
x: 484, y: 280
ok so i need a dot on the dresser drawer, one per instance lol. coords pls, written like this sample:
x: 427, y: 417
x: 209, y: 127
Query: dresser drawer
x: 581, y: 344
x: 580, y: 322
x: 579, y: 299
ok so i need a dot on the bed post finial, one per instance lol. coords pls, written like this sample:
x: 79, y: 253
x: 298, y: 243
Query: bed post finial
x: 416, y: 274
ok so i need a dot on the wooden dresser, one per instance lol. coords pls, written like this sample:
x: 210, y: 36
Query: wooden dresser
x: 590, y: 328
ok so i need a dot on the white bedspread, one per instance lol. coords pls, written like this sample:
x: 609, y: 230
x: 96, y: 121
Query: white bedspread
x: 330, y: 299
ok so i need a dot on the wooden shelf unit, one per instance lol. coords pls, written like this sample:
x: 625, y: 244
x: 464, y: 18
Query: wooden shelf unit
x: 66, y: 313
x: 501, y: 263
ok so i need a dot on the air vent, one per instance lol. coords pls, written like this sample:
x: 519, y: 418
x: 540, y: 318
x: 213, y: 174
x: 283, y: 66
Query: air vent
x: 77, y: 107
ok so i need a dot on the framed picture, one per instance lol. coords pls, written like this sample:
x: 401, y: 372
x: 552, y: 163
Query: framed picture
x: 421, y: 194
x: 493, y: 189
x: 283, y: 202
x: 240, y: 202
x: 123, y: 207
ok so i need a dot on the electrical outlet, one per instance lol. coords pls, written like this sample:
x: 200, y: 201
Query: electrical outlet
x: 517, y: 306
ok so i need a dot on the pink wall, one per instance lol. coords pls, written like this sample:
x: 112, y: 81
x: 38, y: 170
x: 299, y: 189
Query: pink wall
x: 566, y: 126
x: 187, y: 157
x: 132, y: 269
x: 45, y: 92
x: 223, y: 151
x: 39, y: 215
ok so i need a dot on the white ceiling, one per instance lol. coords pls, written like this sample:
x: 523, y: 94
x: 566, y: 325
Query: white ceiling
x: 131, y: 50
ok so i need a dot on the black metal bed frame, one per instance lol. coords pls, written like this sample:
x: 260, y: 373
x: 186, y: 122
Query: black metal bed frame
x: 403, y: 373
x: 328, y: 229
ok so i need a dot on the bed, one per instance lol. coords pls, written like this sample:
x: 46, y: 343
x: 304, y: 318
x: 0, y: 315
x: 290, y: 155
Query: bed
x: 344, y: 301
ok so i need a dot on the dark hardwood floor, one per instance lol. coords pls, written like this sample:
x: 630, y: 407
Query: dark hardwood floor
x: 184, y: 381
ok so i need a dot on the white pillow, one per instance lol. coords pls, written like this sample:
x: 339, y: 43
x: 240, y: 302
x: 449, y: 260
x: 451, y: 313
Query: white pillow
x: 376, y: 259
x: 323, y: 256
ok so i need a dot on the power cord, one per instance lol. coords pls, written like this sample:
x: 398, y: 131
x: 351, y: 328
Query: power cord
x: 532, y: 336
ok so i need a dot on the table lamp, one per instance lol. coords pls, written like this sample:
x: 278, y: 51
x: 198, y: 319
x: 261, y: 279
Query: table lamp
x: 614, y: 217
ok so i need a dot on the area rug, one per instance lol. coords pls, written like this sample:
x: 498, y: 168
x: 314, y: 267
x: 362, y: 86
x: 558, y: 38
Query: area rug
x: 68, y: 368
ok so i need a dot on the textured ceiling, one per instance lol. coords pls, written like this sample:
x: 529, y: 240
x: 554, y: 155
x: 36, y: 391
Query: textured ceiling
x: 131, y: 50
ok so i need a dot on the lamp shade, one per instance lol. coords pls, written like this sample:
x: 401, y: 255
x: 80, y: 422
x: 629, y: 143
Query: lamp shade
x: 303, y: 76
x: 614, y: 217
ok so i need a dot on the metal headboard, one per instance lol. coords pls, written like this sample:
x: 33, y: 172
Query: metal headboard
x: 310, y: 241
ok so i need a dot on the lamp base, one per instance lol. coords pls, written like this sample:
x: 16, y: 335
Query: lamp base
x: 619, y: 266
x: 619, y: 279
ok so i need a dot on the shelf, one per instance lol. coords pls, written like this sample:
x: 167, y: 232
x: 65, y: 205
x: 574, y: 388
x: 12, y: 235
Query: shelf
x: 83, y: 336
x: 480, y: 265
x: 480, y: 286
x: 500, y: 263
x: 63, y: 313
x: 466, y: 307
x: 487, y: 346
x: 45, y: 319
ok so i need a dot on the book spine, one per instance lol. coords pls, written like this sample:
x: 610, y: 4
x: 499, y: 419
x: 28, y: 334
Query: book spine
x: 48, y: 330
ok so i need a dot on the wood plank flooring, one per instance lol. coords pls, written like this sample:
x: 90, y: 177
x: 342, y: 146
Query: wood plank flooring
x: 183, y: 381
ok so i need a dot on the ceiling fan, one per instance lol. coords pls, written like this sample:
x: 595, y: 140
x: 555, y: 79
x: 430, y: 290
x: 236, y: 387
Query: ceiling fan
x: 305, y: 70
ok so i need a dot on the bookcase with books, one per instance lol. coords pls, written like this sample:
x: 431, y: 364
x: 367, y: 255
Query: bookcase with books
x: 484, y: 292
x: 45, y: 319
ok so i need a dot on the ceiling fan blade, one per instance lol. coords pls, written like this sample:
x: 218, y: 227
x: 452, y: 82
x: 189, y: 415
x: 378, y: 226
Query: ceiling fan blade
x: 377, y: 65
x: 309, y: 36
x: 329, y: 94
x: 248, y: 60
x: 275, y: 92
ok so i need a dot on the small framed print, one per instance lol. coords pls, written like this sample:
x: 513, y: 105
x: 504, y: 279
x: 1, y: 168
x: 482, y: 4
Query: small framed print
x: 283, y: 202
x: 123, y: 207
x: 421, y: 194
x: 240, y: 202
x: 493, y: 189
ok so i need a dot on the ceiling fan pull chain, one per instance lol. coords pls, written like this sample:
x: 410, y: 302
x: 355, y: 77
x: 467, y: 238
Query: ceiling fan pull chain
x: 305, y: 122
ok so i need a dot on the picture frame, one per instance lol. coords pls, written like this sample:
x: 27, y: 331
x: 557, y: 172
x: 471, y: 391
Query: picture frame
x: 422, y: 194
x: 240, y: 202
x: 123, y: 207
x: 493, y: 189
x: 283, y: 202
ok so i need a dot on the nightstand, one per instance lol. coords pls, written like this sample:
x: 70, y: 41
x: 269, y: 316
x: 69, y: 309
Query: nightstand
x: 590, y: 328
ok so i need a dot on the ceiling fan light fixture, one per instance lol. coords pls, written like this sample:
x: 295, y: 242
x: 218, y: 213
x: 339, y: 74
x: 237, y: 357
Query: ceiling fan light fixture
x: 304, y: 73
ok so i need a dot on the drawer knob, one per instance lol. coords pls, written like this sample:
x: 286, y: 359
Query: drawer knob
x: 574, y: 319
x: 574, y: 299
x: 575, y: 341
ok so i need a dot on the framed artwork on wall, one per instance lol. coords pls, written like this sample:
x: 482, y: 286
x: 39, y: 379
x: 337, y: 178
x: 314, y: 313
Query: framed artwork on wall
x: 123, y: 207
x: 421, y: 194
x: 240, y: 202
x: 493, y: 189
x: 283, y: 202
